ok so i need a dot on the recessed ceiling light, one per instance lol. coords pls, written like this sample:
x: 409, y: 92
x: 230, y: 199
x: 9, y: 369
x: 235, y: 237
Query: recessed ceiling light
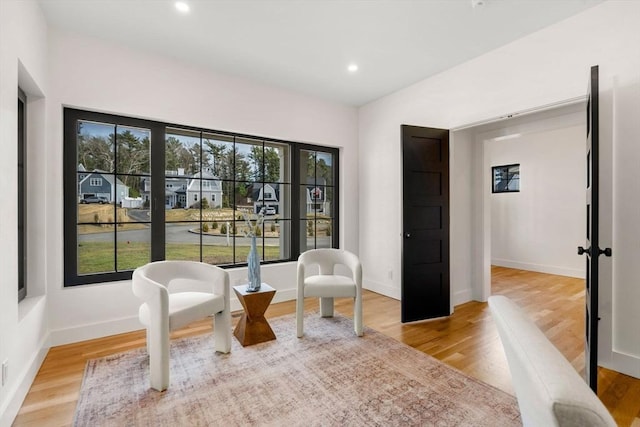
x: 182, y: 7
x: 352, y: 68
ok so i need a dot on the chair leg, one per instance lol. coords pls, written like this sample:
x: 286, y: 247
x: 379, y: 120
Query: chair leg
x: 300, y: 317
x: 158, y: 345
x: 326, y: 307
x: 357, y: 316
x: 222, y: 331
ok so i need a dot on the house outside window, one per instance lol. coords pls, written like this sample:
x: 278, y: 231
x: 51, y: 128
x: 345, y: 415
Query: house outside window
x: 316, y: 194
x: 220, y: 173
x: 318, y: 171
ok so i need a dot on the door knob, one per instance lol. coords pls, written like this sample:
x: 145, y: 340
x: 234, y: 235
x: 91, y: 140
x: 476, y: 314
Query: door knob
x: 407, y: 235
x: 605, y: 251
x: 582, y: 251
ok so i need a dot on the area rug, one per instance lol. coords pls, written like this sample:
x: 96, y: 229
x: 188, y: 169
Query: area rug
x: 328, y: 378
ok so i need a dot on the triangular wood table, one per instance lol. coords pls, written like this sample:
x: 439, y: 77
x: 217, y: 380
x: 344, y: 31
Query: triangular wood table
x: 253, y: 328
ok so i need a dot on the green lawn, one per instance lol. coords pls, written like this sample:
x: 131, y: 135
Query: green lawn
x: 98, y: 257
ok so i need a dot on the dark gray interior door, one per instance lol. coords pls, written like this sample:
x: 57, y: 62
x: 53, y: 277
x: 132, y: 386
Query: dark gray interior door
x: 425, y: 251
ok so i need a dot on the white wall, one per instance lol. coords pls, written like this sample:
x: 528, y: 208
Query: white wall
x: 58, y: 69
x: 540, y: 69
x: 94, y: 75
x: 623, y: 98
x: 539, y: 227
x: 23, y: 329
x: 544, y: 68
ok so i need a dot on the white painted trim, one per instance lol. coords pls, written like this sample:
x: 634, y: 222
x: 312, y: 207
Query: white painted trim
x: 551, y: 115
x: 540, y: 268
x: 624, y: 363
x: 381, y: 288
x: 94, y: 330
x: 15, y: 396
x: 27, y: 305
x: 461, y: 297
x: 552, y: 106
x: 129, y: 324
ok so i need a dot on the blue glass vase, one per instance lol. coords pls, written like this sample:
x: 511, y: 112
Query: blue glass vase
x: 253, y: 265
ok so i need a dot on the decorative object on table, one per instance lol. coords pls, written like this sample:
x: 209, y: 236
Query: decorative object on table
x: 253, y: 259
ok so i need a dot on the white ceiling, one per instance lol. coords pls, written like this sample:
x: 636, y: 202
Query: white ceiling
x: 306, y: 45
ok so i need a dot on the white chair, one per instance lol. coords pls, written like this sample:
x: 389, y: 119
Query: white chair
x: 174, y: 294
x: 328, y: 285
x: 550, y: 391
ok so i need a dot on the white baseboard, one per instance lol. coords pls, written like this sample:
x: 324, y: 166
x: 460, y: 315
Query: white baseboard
x: 381, y: 288
x: 540, y: 268
x: 94, y: 330
x: 624, y: 363
x: 461, y: 297
x: 16, y: 395
x: 128, y: 324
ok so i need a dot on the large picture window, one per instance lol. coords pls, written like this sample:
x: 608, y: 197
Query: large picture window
x: 139, y: 191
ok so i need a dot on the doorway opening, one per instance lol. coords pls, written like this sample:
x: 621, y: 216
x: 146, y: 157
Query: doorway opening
x: 538, y: 227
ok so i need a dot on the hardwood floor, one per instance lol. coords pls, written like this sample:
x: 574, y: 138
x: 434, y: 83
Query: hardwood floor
x: 467, y: 340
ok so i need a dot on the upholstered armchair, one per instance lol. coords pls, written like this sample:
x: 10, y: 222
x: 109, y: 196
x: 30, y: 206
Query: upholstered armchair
x: 328, y: 285
x: 549, y: 390
x: 174, y: 294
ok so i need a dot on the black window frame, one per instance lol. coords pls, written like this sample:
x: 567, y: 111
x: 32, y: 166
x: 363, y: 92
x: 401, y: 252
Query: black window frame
x: 22, y: 199
x: 158, y: 134
x: 296, y: 194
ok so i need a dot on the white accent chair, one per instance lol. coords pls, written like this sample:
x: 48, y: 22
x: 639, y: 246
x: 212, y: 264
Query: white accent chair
x: 328, y: 285
x: 550, y: 391
x: 174, y: 294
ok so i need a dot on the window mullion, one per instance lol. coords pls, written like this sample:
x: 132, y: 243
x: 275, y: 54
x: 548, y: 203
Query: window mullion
x: 115, y: 209
x: 232, y: 204
x: 201, y: 233
x: 157, y: 193
x: 295, y: 203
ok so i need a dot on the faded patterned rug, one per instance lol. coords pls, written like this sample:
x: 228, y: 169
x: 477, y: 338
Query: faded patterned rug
x: 328, y: 378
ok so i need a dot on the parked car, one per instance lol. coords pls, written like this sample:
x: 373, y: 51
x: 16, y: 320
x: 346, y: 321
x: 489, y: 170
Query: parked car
x: 268, y: 210
x: 95, y: 199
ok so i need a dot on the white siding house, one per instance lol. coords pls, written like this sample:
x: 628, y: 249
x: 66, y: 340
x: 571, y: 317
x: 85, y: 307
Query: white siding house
x: 205, y: 185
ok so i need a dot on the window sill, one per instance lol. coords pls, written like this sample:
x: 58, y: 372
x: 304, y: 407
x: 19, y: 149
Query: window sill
x: 27, y: 305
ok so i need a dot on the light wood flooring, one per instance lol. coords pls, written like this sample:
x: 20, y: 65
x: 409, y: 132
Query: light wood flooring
x: 467, y: 340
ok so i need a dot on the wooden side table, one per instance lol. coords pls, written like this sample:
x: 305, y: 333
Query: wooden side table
x: 253, y: 328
